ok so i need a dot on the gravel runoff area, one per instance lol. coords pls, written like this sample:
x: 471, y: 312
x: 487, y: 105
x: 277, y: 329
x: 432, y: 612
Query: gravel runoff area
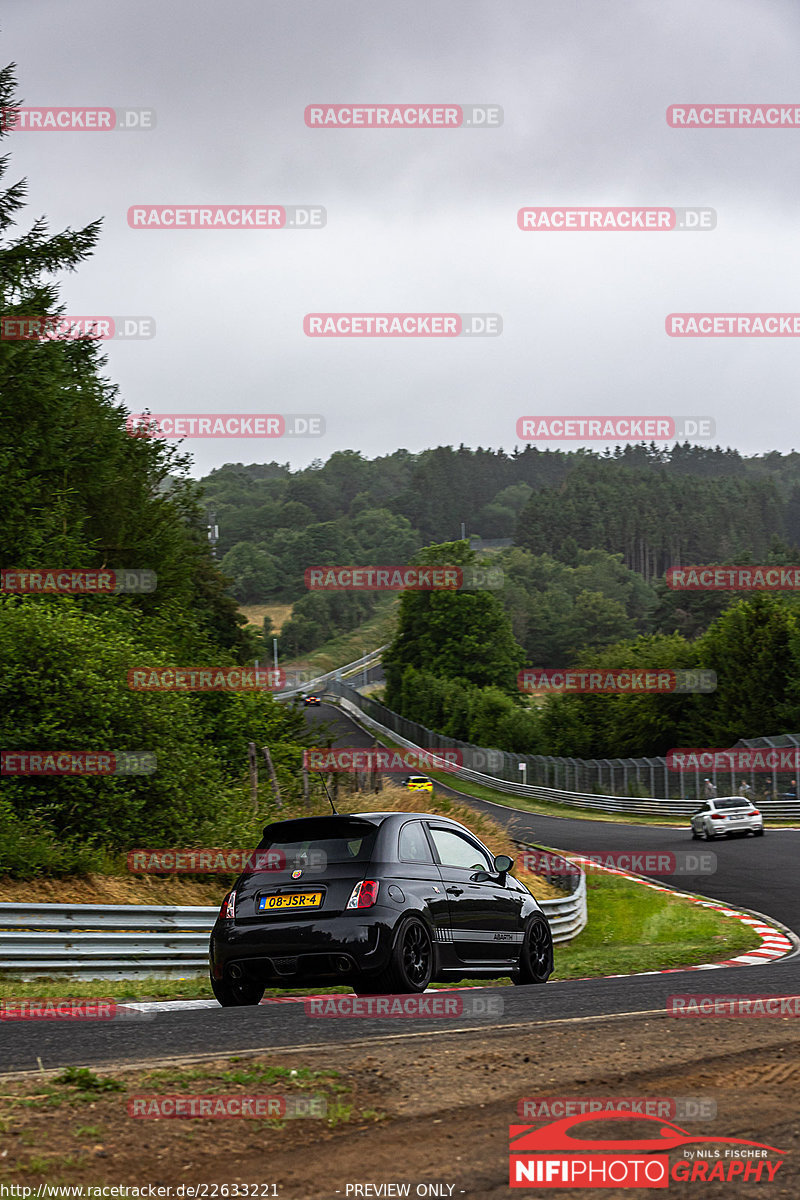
x: 422, y: 1109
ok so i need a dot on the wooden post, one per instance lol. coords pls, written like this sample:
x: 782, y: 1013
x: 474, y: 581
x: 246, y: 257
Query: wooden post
x: 253, y: 763
x: 275, y: 785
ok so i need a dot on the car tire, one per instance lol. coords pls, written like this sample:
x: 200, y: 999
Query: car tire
x: 536, y: 959
x: 236, y: 994
x: 411, y: 965
x: 695, y: 834
x: 759, y: 832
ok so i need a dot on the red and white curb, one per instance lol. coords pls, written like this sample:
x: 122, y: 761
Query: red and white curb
x: 146, y: 1006
x: 774, y: 942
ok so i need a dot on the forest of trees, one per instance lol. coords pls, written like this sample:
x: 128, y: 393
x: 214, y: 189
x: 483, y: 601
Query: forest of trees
x: 441, y: 673
x: 656, y: 517
x: 654, y: 507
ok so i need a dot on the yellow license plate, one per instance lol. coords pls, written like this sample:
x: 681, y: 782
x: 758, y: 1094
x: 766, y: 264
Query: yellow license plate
x: 294, y: 900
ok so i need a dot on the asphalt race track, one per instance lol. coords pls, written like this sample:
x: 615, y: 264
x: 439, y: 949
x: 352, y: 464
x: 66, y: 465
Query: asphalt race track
x: 755, y: 873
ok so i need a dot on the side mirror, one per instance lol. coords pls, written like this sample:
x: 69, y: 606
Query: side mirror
x: 503, y: 864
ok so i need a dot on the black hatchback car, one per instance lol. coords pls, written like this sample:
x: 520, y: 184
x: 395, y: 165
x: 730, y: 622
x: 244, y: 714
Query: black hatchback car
x: 385, y: 902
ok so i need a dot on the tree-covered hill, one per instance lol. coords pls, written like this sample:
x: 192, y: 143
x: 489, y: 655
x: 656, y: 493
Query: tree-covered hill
x: 655, y: 507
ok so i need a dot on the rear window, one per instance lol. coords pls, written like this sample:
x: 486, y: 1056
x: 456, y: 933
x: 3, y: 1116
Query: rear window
x: 743, y: 803
x: 339, y: 839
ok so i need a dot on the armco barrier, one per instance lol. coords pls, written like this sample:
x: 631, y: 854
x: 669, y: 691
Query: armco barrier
x: 316, y: 684
x: 103, y: 940
x: 362, y: 709
x: 567, y: 916
x: 110, y: 941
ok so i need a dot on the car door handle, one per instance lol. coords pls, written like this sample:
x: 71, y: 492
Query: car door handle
x: 454, y: 891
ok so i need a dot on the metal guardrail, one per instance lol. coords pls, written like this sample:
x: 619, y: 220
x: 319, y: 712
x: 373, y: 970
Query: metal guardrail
x: 109, y: 941
x: 313, y: 685
x: 103, y: 940
x: 567, y: 916
x: 363, y: 709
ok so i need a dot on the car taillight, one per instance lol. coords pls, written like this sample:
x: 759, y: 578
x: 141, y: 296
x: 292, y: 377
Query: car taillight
x: 227, y: 909
x: 755, y: 813
x: 364, y: 894
x: 718, y: 816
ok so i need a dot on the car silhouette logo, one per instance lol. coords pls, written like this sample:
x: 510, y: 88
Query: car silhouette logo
x: 556, y: 1137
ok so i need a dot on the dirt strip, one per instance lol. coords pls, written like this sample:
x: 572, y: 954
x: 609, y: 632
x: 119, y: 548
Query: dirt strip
x: 431, y: 1110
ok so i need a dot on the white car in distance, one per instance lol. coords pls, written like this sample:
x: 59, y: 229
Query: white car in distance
x: 725, y: 815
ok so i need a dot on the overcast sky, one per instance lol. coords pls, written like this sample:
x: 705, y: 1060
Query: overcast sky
x: 424, y: 221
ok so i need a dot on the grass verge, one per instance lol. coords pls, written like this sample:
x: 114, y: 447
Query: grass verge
x: 348, y: 647
x: 632, y: 928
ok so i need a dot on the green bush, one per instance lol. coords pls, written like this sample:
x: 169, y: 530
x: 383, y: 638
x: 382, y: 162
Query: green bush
x: 64, y: 687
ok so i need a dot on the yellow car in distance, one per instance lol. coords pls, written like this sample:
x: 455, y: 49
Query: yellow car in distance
x: 418, y: 783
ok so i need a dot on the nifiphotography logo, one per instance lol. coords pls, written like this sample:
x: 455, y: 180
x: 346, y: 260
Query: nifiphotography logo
x: 558, y: 1156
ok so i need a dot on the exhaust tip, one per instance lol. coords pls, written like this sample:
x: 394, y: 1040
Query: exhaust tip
x: 342, y: 964
x: 236, y: 972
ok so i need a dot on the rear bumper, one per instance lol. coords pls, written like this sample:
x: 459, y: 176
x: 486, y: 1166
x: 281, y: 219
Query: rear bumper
x: 306, y: 952
x: 746, y: 826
